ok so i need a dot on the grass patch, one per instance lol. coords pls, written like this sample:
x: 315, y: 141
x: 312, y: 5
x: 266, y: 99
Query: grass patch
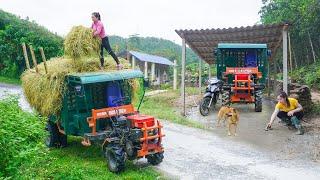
x: 163, y: 106
x: 8, y: 80
x: 24, y: 156
x: 79, y: 162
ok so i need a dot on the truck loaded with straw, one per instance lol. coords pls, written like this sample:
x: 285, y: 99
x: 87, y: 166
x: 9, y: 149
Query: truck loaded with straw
x: 81, y: 100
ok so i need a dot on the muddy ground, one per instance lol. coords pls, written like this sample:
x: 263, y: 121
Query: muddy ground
x: 211, y: 154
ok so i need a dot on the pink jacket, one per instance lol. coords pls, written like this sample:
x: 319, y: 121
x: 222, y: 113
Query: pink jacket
x: 98, y: 29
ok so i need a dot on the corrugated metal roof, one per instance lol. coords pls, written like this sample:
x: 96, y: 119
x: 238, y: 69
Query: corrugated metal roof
x: 96, y: 77
x: 151, y: 58
x: 241, y: 45
x: 204, y: 41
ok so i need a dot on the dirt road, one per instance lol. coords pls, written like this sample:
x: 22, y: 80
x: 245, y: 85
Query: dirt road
x: 211, y: 154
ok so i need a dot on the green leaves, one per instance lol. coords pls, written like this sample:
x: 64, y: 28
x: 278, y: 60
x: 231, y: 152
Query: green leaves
x: 21, y: 137
x: 13, y: 32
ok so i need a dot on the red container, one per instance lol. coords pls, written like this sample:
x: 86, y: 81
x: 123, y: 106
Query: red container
x: 138, y: 120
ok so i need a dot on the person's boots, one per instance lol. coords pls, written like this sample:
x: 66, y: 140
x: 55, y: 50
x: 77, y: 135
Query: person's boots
x: 300, y: 130
x: 101, y: 63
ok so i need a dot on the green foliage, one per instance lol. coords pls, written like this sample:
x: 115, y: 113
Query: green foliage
x: 13, y: 32
x: 165, y: 106
x: 304, y: 19
x: 309, y: 75
x: 23, y: 155
x: 21, y: 137
x: 10, y: 80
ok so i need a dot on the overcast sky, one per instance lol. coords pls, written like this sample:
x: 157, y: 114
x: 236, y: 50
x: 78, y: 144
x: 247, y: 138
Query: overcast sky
x: 158, y: 18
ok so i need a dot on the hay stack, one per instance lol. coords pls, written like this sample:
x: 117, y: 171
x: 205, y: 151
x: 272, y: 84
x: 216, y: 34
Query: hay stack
x: 80, y: 43
x: 45, y: 91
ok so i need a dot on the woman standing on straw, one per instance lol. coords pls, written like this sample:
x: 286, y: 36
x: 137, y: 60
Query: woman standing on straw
x: 98, y: 31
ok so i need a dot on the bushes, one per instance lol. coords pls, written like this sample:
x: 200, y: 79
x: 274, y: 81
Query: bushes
x: 21, y: 138
x: 309, y: 75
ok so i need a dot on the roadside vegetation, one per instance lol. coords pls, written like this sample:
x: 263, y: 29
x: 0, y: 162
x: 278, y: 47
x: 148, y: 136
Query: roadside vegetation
x: 24, y: 155
x: 166, y: 106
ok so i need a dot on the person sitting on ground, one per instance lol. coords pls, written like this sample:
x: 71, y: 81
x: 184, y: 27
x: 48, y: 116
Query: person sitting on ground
x: 289, y: 111
x: 99, y: 31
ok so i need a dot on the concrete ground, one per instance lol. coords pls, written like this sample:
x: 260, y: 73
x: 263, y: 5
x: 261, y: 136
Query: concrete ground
x: 210, y: 154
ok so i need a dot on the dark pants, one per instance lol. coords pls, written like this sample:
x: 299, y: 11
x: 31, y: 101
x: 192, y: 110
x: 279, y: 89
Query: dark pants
x: 105, y: 44
x: 290, y: 120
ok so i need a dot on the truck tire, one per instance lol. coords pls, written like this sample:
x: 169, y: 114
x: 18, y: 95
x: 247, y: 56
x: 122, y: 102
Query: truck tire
x: 115, y: 157
x: 258, y: 101
x: 225, y: 98
x: 156, y: 158
x: 52, y: 139
x: 63, y: 140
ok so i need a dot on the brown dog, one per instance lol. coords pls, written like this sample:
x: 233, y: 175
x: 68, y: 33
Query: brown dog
x: 231, y: 115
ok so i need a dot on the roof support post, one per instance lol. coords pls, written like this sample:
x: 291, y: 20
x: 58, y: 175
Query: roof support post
x: 183, y: 64
x: 200, y: 74
x: 145, y: 69
x: 133, y: 62
x: 285, y: 58
x: 153, y: 67
x: 175, y: 75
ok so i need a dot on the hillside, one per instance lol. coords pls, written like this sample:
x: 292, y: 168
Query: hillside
x: 152, y: 45
x: 13, y: 32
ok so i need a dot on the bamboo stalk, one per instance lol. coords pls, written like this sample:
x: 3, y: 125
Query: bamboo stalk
x: 34, y: 58
x: 24, y: 48
x: 44, y: 60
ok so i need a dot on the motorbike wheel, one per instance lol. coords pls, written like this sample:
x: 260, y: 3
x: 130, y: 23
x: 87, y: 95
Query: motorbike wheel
x: 204, y: 106
x: 258, y: 101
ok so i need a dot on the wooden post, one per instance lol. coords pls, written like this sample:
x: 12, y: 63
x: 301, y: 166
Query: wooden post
x: 34, y: 58
x: 175, y: 75
x: 285, y: 57
x: 209, y: 71
x: 183, y: 64
x: 44, y: 60
x: 200, y: 74
x: 269, y: 88
x: 24, y: 48
x: 275, y: 82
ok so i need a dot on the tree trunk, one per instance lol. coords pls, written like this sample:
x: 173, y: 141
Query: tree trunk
x: 313, y: 54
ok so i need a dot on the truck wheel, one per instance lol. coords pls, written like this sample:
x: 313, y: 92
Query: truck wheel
x: 225, y: 98
x: 115, y: 157
x: 155, y: 159
x: 203, y: 106
x: 258, y: 101
x: 131, y: 151
x: 52, y: 139
x: 63, y: 139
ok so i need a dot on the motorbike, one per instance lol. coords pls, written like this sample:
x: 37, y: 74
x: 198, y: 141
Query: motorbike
x: 211, y: 96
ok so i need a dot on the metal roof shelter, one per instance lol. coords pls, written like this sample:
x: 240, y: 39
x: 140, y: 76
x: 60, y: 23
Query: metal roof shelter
x: 204, y: 41
x: 151, y: 58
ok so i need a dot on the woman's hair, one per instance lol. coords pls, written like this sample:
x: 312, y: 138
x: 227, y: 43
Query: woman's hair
x: 285, y: 96
x: 97, y: 15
